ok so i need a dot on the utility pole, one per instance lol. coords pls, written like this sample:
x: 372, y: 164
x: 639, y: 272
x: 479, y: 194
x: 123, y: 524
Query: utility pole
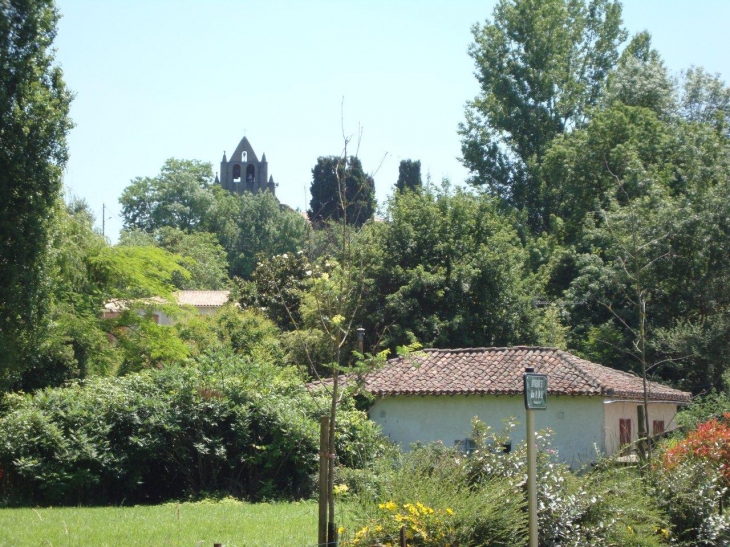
x: 103, y: 220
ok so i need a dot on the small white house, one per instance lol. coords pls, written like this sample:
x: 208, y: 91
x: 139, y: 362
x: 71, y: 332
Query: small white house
x: 591, y: 408
x: 205, y: 302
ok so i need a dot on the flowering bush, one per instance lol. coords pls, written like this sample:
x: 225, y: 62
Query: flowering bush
x: 424, y: 526
x: 709, y: 442
x: 692, y: 482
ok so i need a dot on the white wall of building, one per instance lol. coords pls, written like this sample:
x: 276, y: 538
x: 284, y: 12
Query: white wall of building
x: 577, y: 422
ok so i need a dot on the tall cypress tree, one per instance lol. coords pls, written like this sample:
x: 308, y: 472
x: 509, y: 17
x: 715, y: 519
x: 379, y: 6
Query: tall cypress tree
x: 409, y: 175
x: 34, y: 122
x: 341, y: 191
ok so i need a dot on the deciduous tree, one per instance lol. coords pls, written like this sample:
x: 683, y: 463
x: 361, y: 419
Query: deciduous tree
x: 540, y: 64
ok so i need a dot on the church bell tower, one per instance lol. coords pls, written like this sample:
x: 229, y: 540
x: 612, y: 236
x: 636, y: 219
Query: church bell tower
x: 244, y: 172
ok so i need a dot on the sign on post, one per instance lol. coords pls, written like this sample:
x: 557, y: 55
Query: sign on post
x: 535, y: 391
x: 535, y: 399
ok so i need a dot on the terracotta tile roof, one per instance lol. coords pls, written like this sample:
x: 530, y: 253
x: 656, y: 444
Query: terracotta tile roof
x: 117, y: 305
x: 499, y: 371
x: 212, y: 299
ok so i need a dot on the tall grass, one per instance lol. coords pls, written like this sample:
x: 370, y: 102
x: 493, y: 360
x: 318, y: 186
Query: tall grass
x: 201, y: 524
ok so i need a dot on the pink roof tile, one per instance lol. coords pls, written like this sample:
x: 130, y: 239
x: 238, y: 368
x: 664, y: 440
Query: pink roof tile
x: 499, y: 371
x: 211, y: 299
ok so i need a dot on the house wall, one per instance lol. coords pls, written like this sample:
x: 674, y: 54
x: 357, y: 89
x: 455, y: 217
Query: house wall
x: 164, y: 319
x: 577, y: 422
x: 616, y: 410
x: 207, y: 310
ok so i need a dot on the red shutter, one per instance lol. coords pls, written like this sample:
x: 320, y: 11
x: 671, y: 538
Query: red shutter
x: 657, y: 427
x: 624, y: 428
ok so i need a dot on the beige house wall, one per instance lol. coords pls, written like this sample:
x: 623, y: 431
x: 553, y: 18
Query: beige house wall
x: 617, y: 410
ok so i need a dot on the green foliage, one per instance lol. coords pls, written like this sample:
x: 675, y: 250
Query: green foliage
x: 640, y: 79
x: 276, y: 287
x: 448, y: 269
x: 432, y: 477
x: 34, y: 122
x: 619, y: 155
x: 324, y: 341
x: 692, y: 493
x: 73, y: 343
x: 703, y: 408
x: 178, y: 197
x: 247, y: 332
x: 221, y: 422
x: 540, y: 65
x: 205, y: 259
x: 75, y: 346
x: 341, y: 191
x: 252, y: 226
x: 160, y: 435
x: 409, y: 176
x: 138, y: 272
x: 145, y: 344
x: 182, y: 206
x: 481, y: 497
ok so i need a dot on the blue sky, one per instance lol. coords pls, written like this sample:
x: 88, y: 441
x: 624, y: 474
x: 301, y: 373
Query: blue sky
x: 157, y: 79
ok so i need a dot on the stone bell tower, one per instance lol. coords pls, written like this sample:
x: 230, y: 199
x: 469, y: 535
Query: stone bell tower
x: 244, y: 172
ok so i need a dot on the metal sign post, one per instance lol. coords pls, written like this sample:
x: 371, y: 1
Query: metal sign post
x: 535, y: 399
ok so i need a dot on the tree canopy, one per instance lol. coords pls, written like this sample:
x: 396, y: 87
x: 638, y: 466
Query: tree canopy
x: 341, y: 191
x: 409, y: 175
x: 541, y: 66
x: 34, y: 122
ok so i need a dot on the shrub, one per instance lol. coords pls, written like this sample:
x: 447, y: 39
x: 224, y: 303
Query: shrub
x: 486, y: 492
x: 604, y: 506
x: 222, y: 424
x: 692, y: 480
x: 691, y: 493
x: 425, y: 490
x: 710, y: 442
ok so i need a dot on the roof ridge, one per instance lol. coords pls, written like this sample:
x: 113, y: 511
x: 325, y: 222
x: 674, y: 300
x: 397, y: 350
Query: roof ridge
x: 490, y: 349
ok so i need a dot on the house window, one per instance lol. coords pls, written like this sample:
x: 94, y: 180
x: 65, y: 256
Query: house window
x: 465, y: 446
x: 624, y: 431
x: 657, y: 427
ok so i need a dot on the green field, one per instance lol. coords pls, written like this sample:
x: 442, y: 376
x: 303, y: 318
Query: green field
x: 232, y: 523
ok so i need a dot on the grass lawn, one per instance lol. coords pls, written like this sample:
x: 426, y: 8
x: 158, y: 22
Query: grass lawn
x: 232, y: 523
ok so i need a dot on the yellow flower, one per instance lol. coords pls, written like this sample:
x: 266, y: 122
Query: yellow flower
x: 449, y: 511
x: 388, y: 506
x: 341, y: 530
